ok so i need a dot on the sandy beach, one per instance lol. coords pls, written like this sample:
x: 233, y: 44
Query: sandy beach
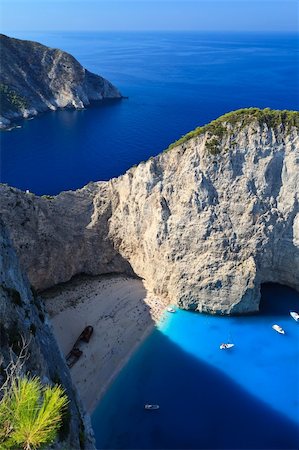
x: 122, y: 314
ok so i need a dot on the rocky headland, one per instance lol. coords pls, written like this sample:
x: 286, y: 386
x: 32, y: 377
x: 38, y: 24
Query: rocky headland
x: 35, y: 78
x: 204, y: 224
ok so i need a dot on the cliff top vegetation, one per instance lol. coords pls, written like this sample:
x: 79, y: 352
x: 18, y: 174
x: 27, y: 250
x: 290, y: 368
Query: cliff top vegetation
x: 241, y: 118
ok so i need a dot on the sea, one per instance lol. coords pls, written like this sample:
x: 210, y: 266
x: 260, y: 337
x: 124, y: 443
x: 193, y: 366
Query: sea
x: 174, y: 81
x: 243, y: 398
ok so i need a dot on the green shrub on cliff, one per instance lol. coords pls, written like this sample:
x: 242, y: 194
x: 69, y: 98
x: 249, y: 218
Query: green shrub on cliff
x: 30, y: 414
x: 10, y: 100
x: 239, y: 119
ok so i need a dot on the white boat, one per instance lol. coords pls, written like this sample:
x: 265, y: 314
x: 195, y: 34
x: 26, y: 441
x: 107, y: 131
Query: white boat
x: 226, y: 346
x: 171, y: 310
x: 278, y: 329
x: 151, y: 407
x: 295, y: 315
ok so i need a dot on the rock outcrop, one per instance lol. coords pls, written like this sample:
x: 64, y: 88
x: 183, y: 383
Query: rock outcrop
x: 58, y: 237
x: 203, y: 224
x: 35, y: 78
x: 23, y: 316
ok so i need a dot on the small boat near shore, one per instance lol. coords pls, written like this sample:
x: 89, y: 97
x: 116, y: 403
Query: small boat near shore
x: 278, y: 329
x: 171, y: 310
x: 151, y: 407
x: 226, y: 346
x: 295, y: 315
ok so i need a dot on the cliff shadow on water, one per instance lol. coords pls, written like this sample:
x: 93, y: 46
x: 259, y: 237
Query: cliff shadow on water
x: 200, y: 407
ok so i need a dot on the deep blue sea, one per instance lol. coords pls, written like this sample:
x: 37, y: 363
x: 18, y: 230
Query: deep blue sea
x: 174, y: 81
x: 246, y: 398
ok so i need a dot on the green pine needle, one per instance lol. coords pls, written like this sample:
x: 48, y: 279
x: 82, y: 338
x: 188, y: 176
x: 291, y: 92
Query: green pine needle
x: 30, y: 414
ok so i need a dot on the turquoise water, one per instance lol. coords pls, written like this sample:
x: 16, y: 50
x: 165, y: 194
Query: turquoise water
x: 244, y: 398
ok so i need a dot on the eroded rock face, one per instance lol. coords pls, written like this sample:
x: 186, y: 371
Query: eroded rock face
x: 36, y: 78
x: 203, y: 228
x: 206, y: 230
x: 22, y: 315
x: 59, y: 237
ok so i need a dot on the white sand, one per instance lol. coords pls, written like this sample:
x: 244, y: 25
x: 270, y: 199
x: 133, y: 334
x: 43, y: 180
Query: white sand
x: 122, y: 313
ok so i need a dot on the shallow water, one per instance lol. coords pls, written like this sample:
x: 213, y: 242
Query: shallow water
x: 175, y: 82
x: 244, y: 398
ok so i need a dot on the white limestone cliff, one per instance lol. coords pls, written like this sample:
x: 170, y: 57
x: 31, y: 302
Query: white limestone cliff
x: 204, y: 224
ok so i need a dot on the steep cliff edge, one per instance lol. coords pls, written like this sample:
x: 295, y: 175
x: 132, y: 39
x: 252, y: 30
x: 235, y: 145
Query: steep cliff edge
x: 217, y: 215
x: 36, y: 78
x: 22, y: 315
x: 203, y: 224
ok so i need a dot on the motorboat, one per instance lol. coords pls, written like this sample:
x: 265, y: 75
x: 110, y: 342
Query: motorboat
x: 171, y: 310
x: 278, y: 329
x: 151, y: 407
x: 226, y: 346
x: 295, y: 315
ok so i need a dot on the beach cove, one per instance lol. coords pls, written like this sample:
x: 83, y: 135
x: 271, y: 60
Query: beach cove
x: 140, y: 353
x: 122, y: 314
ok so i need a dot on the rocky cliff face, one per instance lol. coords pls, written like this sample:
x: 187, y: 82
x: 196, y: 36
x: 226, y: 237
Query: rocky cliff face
x: 209, y: 224
x: 22, y: 315
x: 36, y: 78
x: 204, y: 223
x: 58, y: 237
